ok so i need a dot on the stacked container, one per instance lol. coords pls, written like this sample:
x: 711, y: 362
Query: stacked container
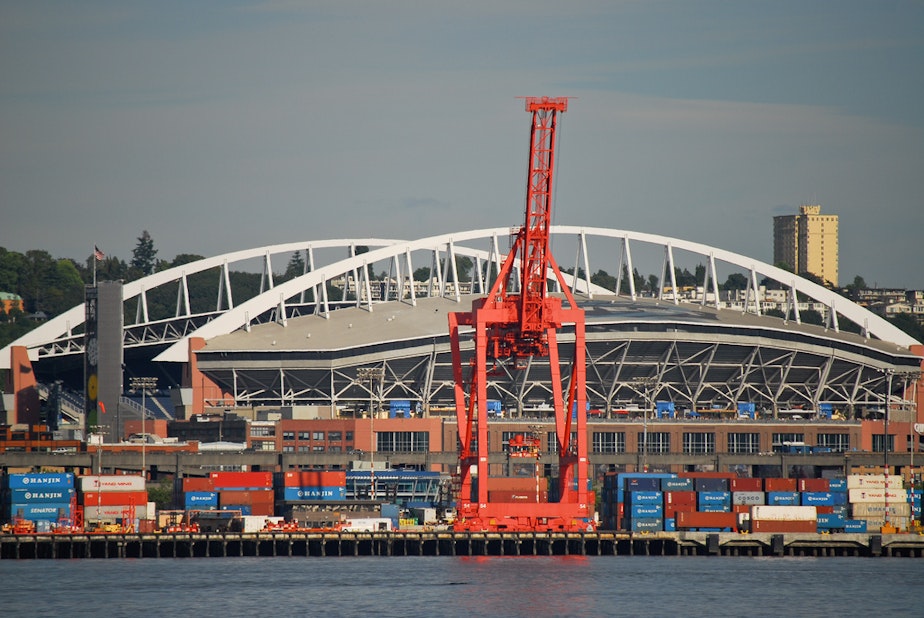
x: 113, y: 498
x: 251, y: 493
x: 878, y: 499
x: 770, y: 518
x: 42, y: 498
x: 310, y: 485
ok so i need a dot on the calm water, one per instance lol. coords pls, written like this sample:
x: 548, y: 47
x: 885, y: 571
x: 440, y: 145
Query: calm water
x: 475, y: 587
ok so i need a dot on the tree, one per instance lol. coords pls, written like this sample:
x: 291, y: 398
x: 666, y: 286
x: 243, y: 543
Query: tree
x: 604, y: 279
x: 422, y: 273
x: 295, y: 267
x: 144, y: 256
x: 735, y: 281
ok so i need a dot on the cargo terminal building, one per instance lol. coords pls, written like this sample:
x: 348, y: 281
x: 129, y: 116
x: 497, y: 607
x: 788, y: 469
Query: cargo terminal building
x: 319, y: 351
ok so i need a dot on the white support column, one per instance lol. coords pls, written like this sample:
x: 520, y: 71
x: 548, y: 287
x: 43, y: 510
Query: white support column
x: 182, y: 297
x: 673, y: 269
x: 619, y: 268
x: 715, y: 280
x: 756, y: 291
x: 367, y: 288
x: 410, y: 276
x: 586, y: 264
x: 795, y: 302
x: 663, y: 274
x: 281, y: 308
x: 453, y: 268
x: 625, y: 244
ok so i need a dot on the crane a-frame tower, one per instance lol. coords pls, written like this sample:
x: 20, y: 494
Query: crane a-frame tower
x: 516, y: 321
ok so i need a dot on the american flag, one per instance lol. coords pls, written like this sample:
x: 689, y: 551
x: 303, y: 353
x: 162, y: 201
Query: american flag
x: 99, y: 255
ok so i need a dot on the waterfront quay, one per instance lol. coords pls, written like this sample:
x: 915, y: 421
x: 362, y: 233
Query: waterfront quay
x: 447, y: 543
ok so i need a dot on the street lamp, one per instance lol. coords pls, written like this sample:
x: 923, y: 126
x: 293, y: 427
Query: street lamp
x: 144, y: 384
x: 372, y: 374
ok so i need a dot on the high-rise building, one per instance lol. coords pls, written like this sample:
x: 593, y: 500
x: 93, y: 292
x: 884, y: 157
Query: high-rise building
x: 807, y: 242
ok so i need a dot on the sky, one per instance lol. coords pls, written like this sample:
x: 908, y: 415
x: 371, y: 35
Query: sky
x: 226, y: 125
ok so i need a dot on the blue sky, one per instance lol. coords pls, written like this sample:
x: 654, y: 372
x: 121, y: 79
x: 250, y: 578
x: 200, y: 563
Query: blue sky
x: 225, y: 125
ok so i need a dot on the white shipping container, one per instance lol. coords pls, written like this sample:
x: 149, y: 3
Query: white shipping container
x: 256, y: 523
x: 749, y: 497
x: 784, y: 513
x: 112, y: 482
x: 369, y: 524
x: 112, y: 513
x: 879, y: 509
x: 855, y: 496
x: 873, y: 524
x: 874, y: 481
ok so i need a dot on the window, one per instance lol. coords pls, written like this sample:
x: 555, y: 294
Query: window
x: 658, y: 442
x: 317, y: 449
x: 402, y: 441
x: 608, y: 442
x: 834, y: 441
x: 288, y: 449
x: 779, y: 439
x: 878, y: 440
x: 267, y: 445
x: 262, y: 431
x: 334, y: 449
x: 744, y: 443
x: 349, y: 436
x: 552, y: 441
x: 288, y: 435
x: 334, y: 436
x: 699, y: 442
x: 317, y: 435
x: 304, y: 435
x: 303, y: 448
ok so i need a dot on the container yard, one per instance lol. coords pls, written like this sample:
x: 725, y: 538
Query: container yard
x: 328, y: 512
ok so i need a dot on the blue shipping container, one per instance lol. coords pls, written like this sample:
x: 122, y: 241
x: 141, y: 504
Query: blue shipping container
x: 645, y: 497
x: 710, y: 484
x: 643, y: 484
x: 837, y: 484
x: 624, y: 476
x: 646, y: 524
x: 783, y: 498
x: 855, y: 525
x: 715, y: 507
x: 817, y: 498
x: 48, y: 511
x: 201, y: 499
x: 646, y: 510
x: 314, y: 493
x: 41, y: 494
x: 44, y: 480
x: 245, y: 509
x: 670, y: 525
x: 677, y: 484
x: 713, y: 497
x: 826, y: 521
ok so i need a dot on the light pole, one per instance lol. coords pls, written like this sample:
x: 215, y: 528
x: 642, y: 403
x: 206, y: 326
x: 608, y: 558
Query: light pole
x: 372, y: 374
x: 646, y: 383
x: 144, y: 384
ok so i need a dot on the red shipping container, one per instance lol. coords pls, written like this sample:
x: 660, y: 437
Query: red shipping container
x: 767, y: 525
x: 248, y: 480
x: 780, y: 485
x: 670, y: 512
x: 824, y: 510
x: 707, y: 475
x: 197, y: 483
x: 697, y: 519
x: 262, y: 510
x: 818, y: 485
x: 314, y: 478
x: 746, y: 484
x: 114, y: 498
x: 680, y: 498
x: 263, y: 496
x: 741, y: 508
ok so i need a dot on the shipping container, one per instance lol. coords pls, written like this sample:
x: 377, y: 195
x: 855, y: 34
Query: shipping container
x: 292, y: 494
x: 779, y: 525
x: 697, y: 519
x: 113, y: 513
x: 866, y: 510
x: 838, y: 484
x: 41, y: 494
x: 368, y: 524
x: 710, y: 484
x: 680, y: 498
x: 646, y: 511
x: 645, y: 497
x: 113, y: 498
x: 311, y: 478
x: 242, y: 481
x: 814, y: 498
x: 749, y: 497
x: 243, y: 509
x: 715, y: 507
x: 201, y: 499
x: 855, y: 526
x: 44, y: 480
x: 112, y: 482
x: 784, y: 513
x: 713, y: 497
x: 197, y: 483
x: 622, y: 477
x: 45, y: 511
x: 813, y: 485
x: 746, y: 485
x: 873, y: 524
x: 873, y: 481
x: 677, y: 485
x: 783, y: 498
x: 670, y: 525
x: 779, y: 485
x: 646, y: 524
x: 503, y: 495
x: 877, y: 495
x: 520, y: 484
x: 829, y: 522
x: 643, y: 484
x: 233, y: 496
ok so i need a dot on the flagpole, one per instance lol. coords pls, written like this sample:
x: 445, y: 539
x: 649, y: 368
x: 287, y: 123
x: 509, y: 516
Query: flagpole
x: 94, y: 264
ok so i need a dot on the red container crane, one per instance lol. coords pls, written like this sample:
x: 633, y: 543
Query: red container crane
x: 518, y: 320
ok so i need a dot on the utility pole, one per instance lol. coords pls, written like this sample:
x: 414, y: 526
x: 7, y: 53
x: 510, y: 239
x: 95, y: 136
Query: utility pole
x: 144, y: 384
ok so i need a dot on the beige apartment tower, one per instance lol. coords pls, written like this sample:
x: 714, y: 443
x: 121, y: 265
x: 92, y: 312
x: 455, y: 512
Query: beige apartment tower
x: 807, y: 242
